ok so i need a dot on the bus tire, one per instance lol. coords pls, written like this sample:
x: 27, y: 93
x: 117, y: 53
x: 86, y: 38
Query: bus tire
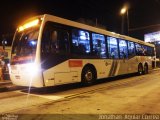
x: 140, y: 69
x: 88, y: 76
x: 145, y: 70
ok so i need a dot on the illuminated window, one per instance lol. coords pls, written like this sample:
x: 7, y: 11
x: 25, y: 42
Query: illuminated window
x: 140, y: 49
x: 99, y: 46
x: 80, y: 42
x: 123, y: 49
x: 131, y: 48
x: 112, y: 47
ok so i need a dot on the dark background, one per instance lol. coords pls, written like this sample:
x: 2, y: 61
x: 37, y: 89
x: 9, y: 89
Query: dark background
x: 142, y: 13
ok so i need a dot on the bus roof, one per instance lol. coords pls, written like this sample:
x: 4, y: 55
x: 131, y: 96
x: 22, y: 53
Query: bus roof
x: 47, y: 17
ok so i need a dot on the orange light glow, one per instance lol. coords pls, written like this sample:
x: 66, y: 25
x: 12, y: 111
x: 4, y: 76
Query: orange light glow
x: 28, y: 25
x: 123, y: 10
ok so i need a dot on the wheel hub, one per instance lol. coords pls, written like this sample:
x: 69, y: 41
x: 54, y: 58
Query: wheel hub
x: 88, y: 76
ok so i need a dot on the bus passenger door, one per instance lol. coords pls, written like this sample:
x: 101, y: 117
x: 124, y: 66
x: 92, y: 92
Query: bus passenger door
x: 54, y: 55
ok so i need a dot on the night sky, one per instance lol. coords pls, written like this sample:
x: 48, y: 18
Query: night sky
x: 107, y: 12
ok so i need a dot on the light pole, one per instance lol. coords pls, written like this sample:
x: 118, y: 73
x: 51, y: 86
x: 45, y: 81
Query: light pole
x: 128, y: 22
x: 123, y: 11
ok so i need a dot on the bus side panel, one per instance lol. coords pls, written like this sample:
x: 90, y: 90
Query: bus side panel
x: 102, y: 66
x: 133, y: 65
x: 70, y: 71
x: 60, y: 74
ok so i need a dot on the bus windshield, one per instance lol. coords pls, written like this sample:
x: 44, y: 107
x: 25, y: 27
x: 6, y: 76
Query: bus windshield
x: 24, y: 46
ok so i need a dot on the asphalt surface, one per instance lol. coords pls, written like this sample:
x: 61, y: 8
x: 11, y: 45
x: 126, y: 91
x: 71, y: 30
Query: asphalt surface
x: 123, y: 95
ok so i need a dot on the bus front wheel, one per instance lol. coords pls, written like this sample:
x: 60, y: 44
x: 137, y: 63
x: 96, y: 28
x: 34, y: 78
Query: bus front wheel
x: 88, y: 75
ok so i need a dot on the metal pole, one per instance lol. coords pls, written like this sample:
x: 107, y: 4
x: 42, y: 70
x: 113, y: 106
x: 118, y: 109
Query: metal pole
x: 122, y: 25
x: 155, y: 58
x: 96, y: 22
x: 127, y: 22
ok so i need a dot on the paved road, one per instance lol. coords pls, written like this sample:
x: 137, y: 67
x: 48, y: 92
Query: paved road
x: 129, y: 95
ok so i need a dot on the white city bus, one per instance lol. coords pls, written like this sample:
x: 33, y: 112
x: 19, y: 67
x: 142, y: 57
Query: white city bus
x: 49, y: 50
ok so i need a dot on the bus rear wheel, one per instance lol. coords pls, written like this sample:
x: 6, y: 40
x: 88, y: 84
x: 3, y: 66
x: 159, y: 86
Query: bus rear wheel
x: 88, y: 76
x: 140, y: 69
x: 145, y: 71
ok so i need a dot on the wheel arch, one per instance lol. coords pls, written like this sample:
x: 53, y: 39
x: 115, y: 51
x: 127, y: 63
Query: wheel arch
x: 140, y: 64
x: 145, y: 63
x: 90, y: 66
x: 140, y: 71
x: 145, y: 68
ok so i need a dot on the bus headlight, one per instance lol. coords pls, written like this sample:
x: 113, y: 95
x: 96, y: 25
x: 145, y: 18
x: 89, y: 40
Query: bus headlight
x: 32, y: 69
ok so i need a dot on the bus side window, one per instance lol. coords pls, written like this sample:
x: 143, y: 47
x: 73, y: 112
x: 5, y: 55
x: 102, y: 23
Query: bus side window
x: 80, y: 42
x: 140, y: 49
x: 99, y: 46
x: 123, y: 49
x: 112, y: 47
x: 63, y: 41
x: 144, y: 50
x: 131, y: 49
x: 45, y: 45
x: 54, y: 44
x: 150, y: 51
x: 54, y: 40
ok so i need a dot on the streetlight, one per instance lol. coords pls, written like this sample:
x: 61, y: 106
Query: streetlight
x: 123, y: 11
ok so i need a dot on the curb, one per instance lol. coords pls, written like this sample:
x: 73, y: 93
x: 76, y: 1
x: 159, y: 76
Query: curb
x: 3, y: 89
x: 5, y: 82
x: 156, y: 69
x: 4, y: 85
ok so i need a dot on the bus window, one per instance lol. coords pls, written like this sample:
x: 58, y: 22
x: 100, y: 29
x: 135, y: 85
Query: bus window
x: 150, y: 51
x: 99, y: 46
x: 54, y: 40
x: 112, y: 47
x: 80, y: 42
x: 131, y: 48
x: 59, y: 41
x: 144, y: 50
x: 140, y: 49
x: 123, y: 49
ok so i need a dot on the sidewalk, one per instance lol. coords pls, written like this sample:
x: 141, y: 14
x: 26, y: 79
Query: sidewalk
x: 6, y: 86
x: 156, y: 68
